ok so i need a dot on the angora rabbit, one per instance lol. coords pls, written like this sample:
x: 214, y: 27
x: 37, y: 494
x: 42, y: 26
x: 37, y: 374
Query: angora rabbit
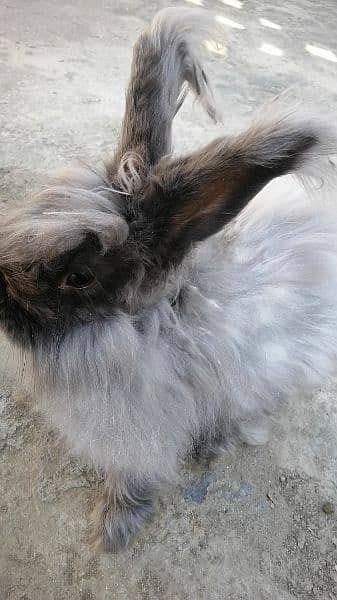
x: 156, y: 313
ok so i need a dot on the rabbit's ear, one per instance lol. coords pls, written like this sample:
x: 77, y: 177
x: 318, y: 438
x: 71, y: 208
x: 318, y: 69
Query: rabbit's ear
x: 165, y: 60
x: 191, y: 198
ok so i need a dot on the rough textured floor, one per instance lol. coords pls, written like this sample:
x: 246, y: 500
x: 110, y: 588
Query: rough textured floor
x: 253, y: 525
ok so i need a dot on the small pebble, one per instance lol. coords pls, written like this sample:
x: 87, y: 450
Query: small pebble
x: 328, y: 508
x: 282, y: 478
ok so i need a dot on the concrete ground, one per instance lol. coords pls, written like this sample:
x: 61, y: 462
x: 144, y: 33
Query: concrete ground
x: 257, y: 524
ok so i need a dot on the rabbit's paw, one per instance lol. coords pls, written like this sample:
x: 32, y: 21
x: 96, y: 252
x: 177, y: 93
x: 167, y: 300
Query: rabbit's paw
x: 119, y: 515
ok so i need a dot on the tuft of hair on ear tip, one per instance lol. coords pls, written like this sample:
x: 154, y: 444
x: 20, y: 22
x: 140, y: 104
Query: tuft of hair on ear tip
x: 185, y: 30
x: 293, y: 139
x: 130, y: 173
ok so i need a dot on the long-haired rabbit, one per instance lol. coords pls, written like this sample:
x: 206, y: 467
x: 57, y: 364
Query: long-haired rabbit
x: 156, y: 311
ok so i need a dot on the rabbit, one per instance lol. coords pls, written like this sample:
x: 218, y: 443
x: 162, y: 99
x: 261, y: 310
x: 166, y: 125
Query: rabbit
x: 163, y: 306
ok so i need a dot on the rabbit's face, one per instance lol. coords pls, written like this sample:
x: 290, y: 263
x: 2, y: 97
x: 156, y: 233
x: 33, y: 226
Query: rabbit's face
x: 69, y: 258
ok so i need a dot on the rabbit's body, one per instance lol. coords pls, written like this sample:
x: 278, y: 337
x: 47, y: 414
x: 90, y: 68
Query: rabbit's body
x: 171, y: 303
x: 247, y: 320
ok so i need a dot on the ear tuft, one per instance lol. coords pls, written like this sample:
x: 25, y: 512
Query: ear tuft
x: 131, y: 172
x: 185, y: 31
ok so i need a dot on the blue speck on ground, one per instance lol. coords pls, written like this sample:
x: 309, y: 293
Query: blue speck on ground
x: 197, y: 490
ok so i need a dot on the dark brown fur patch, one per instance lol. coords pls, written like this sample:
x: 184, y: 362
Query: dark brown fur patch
x: 186, y: 200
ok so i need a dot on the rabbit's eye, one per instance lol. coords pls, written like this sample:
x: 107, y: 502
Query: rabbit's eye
x: 79, y: 279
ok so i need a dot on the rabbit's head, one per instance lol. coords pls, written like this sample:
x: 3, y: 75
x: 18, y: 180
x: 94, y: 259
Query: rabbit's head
x: 64, y: 260
x: 97, y: 243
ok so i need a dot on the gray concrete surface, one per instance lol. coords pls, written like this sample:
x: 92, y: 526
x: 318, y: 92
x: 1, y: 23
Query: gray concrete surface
x: 252, y: 525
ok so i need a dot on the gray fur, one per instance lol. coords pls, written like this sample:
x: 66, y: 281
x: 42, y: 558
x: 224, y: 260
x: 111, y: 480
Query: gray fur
x: 246, y: 319
x: 257, y: 324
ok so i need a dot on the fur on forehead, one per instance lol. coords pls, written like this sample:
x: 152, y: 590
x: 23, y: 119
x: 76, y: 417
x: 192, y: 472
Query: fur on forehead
x: 60, y: 218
